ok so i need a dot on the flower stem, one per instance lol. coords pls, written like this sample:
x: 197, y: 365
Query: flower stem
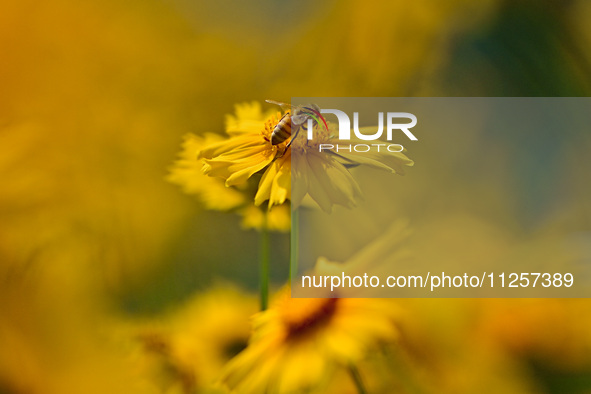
x: 356, y: 376
x: 264, y: 264
x: 295, y: 240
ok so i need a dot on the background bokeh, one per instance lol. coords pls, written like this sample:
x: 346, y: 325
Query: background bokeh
x: 95, y: 98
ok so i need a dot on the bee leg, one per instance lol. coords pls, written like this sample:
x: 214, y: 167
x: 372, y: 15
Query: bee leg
x: 293, y: 137
x: 281, y: 155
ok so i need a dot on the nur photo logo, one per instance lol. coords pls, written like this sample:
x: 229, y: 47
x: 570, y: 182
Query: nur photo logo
x: 395, y: 122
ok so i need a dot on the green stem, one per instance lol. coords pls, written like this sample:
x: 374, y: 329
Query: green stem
x: 401, y: 371
x: 264, y: 264
x: 295, y: 242
x: 356, y: 376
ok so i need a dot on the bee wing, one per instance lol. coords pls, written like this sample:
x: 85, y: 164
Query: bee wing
x: 297, y: 120
x: 284, y: 106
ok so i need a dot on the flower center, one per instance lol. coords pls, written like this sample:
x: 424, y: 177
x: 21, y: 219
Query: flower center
x: 321, y: 136
x: 303, y: 315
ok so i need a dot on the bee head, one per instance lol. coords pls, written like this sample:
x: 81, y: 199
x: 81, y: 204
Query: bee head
x: 313, y: 111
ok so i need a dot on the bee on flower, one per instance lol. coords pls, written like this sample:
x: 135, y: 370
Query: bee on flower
x: 260, y: 142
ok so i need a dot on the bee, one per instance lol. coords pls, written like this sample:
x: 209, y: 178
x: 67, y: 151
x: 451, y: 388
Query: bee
x: 294, y: 119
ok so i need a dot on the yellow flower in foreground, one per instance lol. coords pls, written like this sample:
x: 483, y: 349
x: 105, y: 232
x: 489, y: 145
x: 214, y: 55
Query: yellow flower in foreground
x: 299, y: 342
x: 324, y: 176
x: 210, y: 330
x: 188, y: 349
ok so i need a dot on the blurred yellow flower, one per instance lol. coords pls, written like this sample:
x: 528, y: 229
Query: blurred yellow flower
x: 277, y: 219
x: 553, y: 332
x: 299, y: 342
x: 187, y: 173
x: 325, y: 177
x: 187, y: 350
x: 211, y: 329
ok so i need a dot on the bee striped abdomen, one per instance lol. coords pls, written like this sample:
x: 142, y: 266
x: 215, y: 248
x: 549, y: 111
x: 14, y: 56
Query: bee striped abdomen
x: 282, y: 130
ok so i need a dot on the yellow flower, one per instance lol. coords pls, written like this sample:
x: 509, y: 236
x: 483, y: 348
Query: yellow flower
x: 324, y: 176
x: 210, y: 330
x: 249, y: 148
x: 555, y: 332
x: 187, y: 172
x: 277, y: 219
x: 275, y: 185
x: 188, y: 349
x: 299, y: 342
